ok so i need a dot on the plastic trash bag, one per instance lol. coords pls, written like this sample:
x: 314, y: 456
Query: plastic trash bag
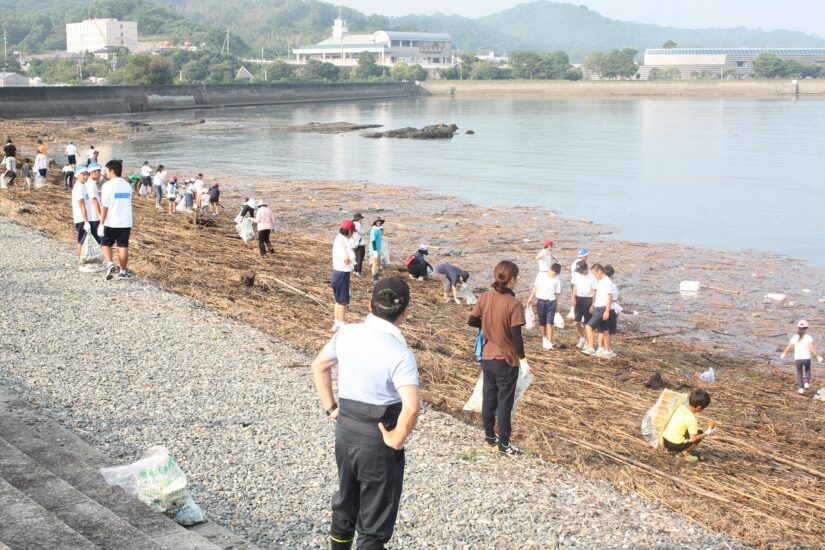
x: 238, y: 219
x: 90, y: 252
x: 4, y: 182
x: 144, y: 192
x: 525, y: 378
x: 39, y: 182
x: 181, y: 206
x: 820, y: 395
x: 572, y: 313
x: 689, y: 286
x: 466, y: 293
x: 245, y: 230
x: 479, y: 345
x: 190, y: 513
x: 385, y: 253
x: 529, y: 318
x: 558, y: 320
x: 657, y: 417
x: 708, y: 376
x: 157, y: 481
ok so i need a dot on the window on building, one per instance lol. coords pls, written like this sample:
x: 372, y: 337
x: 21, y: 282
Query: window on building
x: 740, y: 63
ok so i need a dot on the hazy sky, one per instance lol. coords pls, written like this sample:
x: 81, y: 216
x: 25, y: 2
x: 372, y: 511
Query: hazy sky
x: 802, y: 15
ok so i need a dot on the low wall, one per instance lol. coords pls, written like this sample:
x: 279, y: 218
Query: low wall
x: 629, y: 88
x: 97, y: 100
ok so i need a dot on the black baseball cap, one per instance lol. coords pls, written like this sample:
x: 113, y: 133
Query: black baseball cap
x: 394, y: 288
x: 358, y: 217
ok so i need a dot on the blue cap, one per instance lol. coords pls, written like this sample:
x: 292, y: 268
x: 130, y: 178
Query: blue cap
x: 583, y: 252
x: 94, y: 166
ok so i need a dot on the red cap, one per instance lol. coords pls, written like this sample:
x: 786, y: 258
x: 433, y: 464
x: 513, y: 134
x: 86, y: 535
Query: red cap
x: 348, y: 225
x: 548, y: 244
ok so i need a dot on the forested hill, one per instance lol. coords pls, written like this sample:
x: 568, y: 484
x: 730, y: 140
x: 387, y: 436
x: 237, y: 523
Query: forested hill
x: 277, y: 25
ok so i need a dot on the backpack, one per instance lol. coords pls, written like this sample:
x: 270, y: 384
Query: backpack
x: 409, y: 260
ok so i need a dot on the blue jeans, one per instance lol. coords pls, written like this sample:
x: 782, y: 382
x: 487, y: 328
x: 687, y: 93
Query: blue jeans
x: 158, y: 194
x: 803, y: 365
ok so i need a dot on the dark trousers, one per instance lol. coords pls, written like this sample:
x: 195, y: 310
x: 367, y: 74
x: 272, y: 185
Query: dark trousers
x: 247, y: 210
x: 67, y: 179
x: 803, y: 365
x: 418, y: 269
x: 359, y: 257
x: 370, y: 480
x: 263, y: 241
x: 499, y: 392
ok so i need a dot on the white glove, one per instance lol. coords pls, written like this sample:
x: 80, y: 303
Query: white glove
x: 710, y: 431
x: 782, y: 356
x: 458, y: 301
x: 100, y: 230
x: 523, y: 364
x: 87, y: 227
x: 819, y: 358
x: 374, y: 254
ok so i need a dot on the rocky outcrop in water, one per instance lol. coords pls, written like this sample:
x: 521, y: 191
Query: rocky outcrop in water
x: 330, y: 127
x: 436, y: 131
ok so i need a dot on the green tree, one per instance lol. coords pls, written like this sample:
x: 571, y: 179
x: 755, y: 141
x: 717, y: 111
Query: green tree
x: 279, y: 71
x: 398, y: 71
x: 669, y: 45
x: 449, y: 73
x: 315, y: 70
x: 484, y: 70
x: 620, y: 63
x: 416, y: 73
x: 596, y: 63
x: 143, y: 70
x: 767, y: 65
x: 729, y: 73
x: 366, y: 67
x: 525, y: 64
x: 465, y: 65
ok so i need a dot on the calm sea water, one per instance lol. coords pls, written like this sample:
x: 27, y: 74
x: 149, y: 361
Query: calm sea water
x: 730, y: 174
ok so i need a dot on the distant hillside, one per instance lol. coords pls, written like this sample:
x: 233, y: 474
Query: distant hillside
x: 277, y: 25
x: 41, y: 26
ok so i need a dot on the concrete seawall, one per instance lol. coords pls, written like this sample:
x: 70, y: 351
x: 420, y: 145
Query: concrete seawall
x: 99, y: 100
x: 627, y: 88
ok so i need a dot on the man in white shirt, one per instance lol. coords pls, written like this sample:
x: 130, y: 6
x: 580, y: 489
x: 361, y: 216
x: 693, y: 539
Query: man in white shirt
x: 159, y: 185
x: 90, y: 155
x: 379, y: 408
x: 71, y: 154
x: 115, y: 219
x: 92, y: 191
x: 146, y: 175
x: 342, y: 260
x: 81, y: 209
x: 545, y: 256
x: 601, y: 313
x: 199, y: 191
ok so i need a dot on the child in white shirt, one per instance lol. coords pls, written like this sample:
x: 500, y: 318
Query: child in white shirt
x: 803, y: 350
x: 547, y: 290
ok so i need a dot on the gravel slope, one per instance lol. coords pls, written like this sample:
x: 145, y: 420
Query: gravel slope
x: 128, y: 365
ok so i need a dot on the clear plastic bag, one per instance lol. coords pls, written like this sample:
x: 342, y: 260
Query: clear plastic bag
x: 525, y: 378
x: 385, y: 252
x: 155, y: 479
x: 466, y: 293
x: 709, y: 375
x: 181, y: 206
x: 90, y: 252
x: 190, y: 513
x: 245, y: 230
x: 572, y: 313
x: 144, y: 192
x: 529, y: 318
x: 474, y: 403
x: 558, y: 320
x: 657, y: 417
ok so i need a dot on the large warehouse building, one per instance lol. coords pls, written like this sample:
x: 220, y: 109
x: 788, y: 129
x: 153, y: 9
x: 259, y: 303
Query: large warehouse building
x: 96, y: 34
x: 727, y: 62
x: 430, y: 50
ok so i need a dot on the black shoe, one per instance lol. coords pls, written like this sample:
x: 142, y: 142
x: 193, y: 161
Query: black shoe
x: 490, y: 443
x: 125, y: 275
x: 110, y: 271
x: 509, y: 450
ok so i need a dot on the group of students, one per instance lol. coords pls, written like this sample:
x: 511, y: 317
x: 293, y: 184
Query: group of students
x: 32, y: 175
x: 104, y: 213
x: 185, y: 196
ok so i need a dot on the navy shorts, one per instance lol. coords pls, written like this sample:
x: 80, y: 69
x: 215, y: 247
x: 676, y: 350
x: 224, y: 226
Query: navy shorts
x: 119, y: 235
x: 81, y: 233
x: 340, y: 287
x: 613, y: 322
x: 596, y: 322
x: 547, y: 311
x: 582, y: 312
x: 72, y: 159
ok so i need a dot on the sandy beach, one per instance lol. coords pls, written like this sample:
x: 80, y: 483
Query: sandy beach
x: 727, y: 325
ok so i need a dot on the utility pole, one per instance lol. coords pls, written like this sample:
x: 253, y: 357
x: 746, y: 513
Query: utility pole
x: 5, y: 48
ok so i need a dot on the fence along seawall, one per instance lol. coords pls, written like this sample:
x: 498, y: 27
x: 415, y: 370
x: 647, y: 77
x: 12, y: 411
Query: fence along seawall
x: 98, y: 100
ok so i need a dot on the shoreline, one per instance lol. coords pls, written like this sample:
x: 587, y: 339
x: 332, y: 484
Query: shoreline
x: 632, y: 89
x: 562, y: 416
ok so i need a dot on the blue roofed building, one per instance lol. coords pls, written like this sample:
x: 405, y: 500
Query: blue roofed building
x: 720, y: 62
x: 430, y: 50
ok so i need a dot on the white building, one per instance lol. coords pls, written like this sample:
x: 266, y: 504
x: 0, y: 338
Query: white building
x: 686, y: 63
x: 95, y: 34
x: 430, y: 50
x: 10, y: 80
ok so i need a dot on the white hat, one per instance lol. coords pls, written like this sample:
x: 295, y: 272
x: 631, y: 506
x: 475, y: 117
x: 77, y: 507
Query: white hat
x: 802, y: 324
x: 80, y: 170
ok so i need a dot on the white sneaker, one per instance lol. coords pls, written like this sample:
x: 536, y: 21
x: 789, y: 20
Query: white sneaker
x: 609, y: 354
x: 549, y: 345
x: 587, y: 350
x: 807, y: 386
x: 800, y: 390
x: 581, y: 343
x: 601, y: 353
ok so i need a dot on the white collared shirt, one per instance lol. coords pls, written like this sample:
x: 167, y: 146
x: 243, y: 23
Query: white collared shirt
x: 373, y: 361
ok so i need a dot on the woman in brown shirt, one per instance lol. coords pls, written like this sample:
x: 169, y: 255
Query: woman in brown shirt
x: 500, y: 316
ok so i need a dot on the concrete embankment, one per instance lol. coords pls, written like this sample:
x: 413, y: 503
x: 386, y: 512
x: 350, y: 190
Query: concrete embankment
x: 95, y: 100
x: 627, y: 88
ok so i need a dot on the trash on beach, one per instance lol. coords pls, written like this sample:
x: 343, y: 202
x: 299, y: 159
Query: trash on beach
x: 820, y: 395
x: 709, y: 375
x: 558, y: 320
x: 806, y: 291
x: 689, y: 286
x: 572, y: 313
x: 657, y: 417
x: 775, y: 297
x: 143, y: 192
x: 529, y: 318
x: 157, y: 481
x: 385, y: 253
x: 467, y: 294
x: 245, y: 230
x: 90, y: 252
